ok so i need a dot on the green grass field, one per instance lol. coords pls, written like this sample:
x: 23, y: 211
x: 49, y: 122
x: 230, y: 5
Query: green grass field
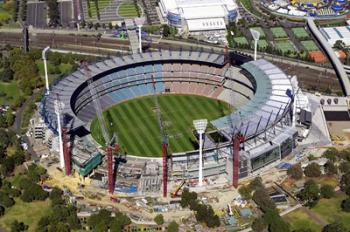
x: 330, y: 210
x: 262, y: 44
x: 102, y: 4
x: 240, y: 40
x: 284, y: 46
x: 4, y: 14
x: 300, y: 220
x: 128, y: 10
x: 9, y: 92
x: 300, y: 33
x: 309, y: 45
x: 260, y: 30
x: 279, y: 32
x: 29, y: 213
x: 137, y: 124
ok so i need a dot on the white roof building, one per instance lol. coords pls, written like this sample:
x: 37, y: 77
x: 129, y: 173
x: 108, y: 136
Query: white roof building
x: 332, y: 34
x: 199, y: 15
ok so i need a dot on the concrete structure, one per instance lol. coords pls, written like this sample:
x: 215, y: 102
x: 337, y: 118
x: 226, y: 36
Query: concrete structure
x: 44, y: 57
x: 199, y: 15
x: 200, y: 125
x: 333, y: 34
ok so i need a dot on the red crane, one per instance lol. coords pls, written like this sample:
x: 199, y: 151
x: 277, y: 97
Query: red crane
x: 66, y: 152
x: 111, y: 143
x: 164, y: 140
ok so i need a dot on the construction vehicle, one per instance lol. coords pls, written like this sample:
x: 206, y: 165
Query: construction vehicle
x: 175, y: 193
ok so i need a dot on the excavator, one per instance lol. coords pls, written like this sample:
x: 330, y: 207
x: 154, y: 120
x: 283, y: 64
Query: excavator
x: 175, y: 193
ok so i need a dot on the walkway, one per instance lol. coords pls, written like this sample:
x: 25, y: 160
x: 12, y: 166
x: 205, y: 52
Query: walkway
x: 338, y: 66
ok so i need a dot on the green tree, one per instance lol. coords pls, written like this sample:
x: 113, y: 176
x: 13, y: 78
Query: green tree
x: 17, y: 226
x: 327, y: 191
x: 334, y: 227
x: 100, y: 220
x: 345, y: 183
x: 345, y: 205
x: 259, y: 225
x: 344, y: 166
x: 263, y: 200
x: 330, y: 168
x: 53, y: 13
x: 331, y: 153
x: 56, y: 196
x: 296, y: 172
x: 159, y: 219
x: 312, y: 170
x: 173, y: 227
x: 245, y: 192
x: 310, y: 194
x: 2, y: 211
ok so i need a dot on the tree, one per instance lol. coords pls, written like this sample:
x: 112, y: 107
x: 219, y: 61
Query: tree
x: 120, y: 220
x: 312, y: 170
x: 345, y: 183
x: 345, y: 205
x: 330, y: 168
x: 100, y: 220
x: 256, y: 183
x: 259, y: 225
x: 159, y: 219
x: 5, y: 200
x: 263, y: 200
x: 17, y: 226
x: 53, y: 13
x: 2, y: 211
x: 339, y: 44
x: 188, y: 198
x: 334, y: 227
x: 331, y: 153
x: 327, y: 191
x: 56, y: 196
x: 245, y: 192
x: 296, y: 172
x: 166, y: 30
x: 344, y: 166
x: 173, y: 227
x: 275, y: 222
x: 310, y: 194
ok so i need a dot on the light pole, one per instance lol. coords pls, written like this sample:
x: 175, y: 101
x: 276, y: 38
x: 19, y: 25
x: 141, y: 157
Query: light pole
x: 58, y: 107
x: 44, y: 56
x: 200, y: 125
x: 256, y: 36
x: 140, y: 38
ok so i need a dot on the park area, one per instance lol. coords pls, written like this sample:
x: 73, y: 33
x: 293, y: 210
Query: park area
x: 129, y: 10
x: 284, y: 46
x: 300, y: 33
x: 309, y: 45
x: 278, y: 32
x: 326, y: 211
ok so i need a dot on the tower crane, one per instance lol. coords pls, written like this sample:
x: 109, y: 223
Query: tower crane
x: 164, y: 139
x: 110, y: 142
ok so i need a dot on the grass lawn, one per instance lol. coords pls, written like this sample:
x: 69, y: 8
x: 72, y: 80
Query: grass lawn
x: 29, y: 213
x: 309, y: 45
x: 64, y: 69
x: 9, y: 92
x: 284, y: 46
x: 240, y: 40
x: 128, y: 10
x: 260, y: 30
x: 102, y: 4
x: 248, y: 5
x: 279, y: 32
x: 300, y: 33
x: 330, y: 210
x: 262, y: 44
x: 137, y: 124
x: 300, y: 220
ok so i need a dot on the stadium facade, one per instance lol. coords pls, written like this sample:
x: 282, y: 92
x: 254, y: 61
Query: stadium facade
x: 199, y: 15
x: 261, y: 92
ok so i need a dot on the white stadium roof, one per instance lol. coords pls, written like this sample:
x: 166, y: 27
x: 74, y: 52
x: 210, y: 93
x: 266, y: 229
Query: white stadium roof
x: 206, y: 24
x: 332, y: 34
x: 203, y: 12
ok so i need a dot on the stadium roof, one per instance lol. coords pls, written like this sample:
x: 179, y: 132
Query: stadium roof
x: 332, y: 34
x: 203, y: 12
x: 206, y: 24
x: 195, y: 5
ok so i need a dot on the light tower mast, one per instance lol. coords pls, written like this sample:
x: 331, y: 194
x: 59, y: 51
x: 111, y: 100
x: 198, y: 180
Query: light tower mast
x: 109, y: 142
x: 164, y: 139
x: 58, y: 108
x: 256, y: 36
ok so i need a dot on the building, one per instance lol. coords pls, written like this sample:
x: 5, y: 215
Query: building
x: 199, y: 15
x: 332, y: 34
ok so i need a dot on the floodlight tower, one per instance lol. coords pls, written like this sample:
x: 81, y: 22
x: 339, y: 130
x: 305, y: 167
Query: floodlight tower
x: 140, y: 37
x: 58, y: 108
x: 256, y: 36
x: 44, y: 56
x: 200, y: 125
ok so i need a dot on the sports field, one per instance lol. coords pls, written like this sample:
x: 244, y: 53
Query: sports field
x: 278, y: 32
x: 128, y: 10
x: 262, y: 44
x: 284, y: 46
x: 309, y: 45
x: 137, y: 124
x: 300, y: 33
x: 102, y: 4
x: 240, y: 40
x: 260, y: 30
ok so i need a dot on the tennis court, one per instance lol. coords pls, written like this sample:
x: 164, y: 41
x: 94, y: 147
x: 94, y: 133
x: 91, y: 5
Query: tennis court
x: 260, y: 30
x: 278, y: 32
x: 240, y: 40
x: 262, y: 44
x: 300, y: 33
x: 285, y: 46
x: 309, y: 45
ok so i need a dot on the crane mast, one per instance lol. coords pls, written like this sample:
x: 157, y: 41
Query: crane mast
x: 164, y: 139
x: 109, y: 142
